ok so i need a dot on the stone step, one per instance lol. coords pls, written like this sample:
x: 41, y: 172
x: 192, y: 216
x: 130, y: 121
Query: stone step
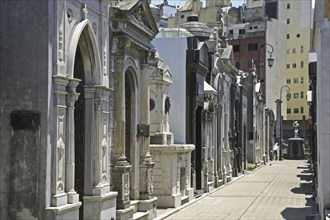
x: 184, y: 199
x: 140, y: 216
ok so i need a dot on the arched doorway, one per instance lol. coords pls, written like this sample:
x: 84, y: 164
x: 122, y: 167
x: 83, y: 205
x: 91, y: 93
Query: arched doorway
x: 84, y: 69
x: 131, y: 149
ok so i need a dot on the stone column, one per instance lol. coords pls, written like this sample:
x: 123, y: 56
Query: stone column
x: 121, y: 169
x: 59, y: 196
x: 71, y: 98
x: 146, y: 167
x: 119, y: 100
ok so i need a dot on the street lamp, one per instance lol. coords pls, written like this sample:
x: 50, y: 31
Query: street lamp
x: 270, y: 60
x: 279, y: 116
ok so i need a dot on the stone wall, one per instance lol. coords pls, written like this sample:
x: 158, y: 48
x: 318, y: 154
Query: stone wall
x: 24, y: 81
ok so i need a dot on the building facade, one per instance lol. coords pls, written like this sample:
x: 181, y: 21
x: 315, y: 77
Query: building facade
x: 299, y: 16
x: 80, y: 131
x: 321, y: 46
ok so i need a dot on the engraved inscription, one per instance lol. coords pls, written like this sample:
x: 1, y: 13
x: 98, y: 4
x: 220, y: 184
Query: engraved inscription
x: 125, y: 182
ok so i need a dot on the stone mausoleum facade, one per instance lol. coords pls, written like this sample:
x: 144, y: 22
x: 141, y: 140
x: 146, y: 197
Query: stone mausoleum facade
x: 75, y: 109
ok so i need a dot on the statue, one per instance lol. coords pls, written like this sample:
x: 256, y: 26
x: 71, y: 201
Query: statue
x: 296, y: 128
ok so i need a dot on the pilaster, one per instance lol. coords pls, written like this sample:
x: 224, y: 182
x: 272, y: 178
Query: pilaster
x: 59, y: 197
x: 146, y: 167
x: 101, y: 114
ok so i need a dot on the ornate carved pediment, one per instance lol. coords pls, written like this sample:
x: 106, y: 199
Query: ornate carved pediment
x: 138, y: 13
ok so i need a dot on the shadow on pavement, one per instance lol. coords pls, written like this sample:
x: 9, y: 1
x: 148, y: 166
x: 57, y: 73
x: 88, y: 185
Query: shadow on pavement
x: 310, y: 212
x: 299, y: 214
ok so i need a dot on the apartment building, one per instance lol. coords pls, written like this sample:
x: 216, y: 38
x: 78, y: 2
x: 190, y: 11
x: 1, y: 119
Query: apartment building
x: 299, y: 15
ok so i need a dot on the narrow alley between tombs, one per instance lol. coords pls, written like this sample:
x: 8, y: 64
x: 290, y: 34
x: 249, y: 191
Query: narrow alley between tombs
x: 279, y: 190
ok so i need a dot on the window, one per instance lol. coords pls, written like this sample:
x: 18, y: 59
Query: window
x: 296, y: 95
x: 302, y: 64
x: 255, y: 27
x: 301, y: 109
x: 288, y: 66
x: 231, y: 31
x: 301, y: 95
x: 294, y: 50
x: 296, y: 110
x: 288, y: 6
x: 301, y: 79
x: 288, y: 21
x: 236, y: 48
x: 252, y: 47
x: 294, y: 66
x: 288, y: 110
x: 288, y: 36
x: 271, y: 9
x: 295, y: 80
x: 287, y: 51
x: 301, y: 49
x: 288, y: 81
x: 182, y: 16
x: 241, y: 31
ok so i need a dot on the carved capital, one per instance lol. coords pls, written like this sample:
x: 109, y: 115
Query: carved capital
x: 119, y: 44
x: 98, y: 103
x: 148, y: 58
x: 71, y: 98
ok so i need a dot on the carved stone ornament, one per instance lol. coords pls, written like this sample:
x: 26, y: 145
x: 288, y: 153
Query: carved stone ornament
x: 69, y: 14
x: 60, y: 46
x: 94, y: 26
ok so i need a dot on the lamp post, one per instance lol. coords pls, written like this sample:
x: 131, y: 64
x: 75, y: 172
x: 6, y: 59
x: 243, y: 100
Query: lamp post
x: 279, y: 116
x: 270, y: 60
x: 261, y: 70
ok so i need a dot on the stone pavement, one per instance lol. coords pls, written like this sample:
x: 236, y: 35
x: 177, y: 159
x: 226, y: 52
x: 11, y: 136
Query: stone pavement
x: 278, y: 190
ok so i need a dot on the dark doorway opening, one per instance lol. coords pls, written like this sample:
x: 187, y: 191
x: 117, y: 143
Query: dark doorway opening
x: 79, y: 129
x: 128, y: 117
x: 199, y: 150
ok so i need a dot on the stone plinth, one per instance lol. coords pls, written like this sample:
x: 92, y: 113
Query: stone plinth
x: 68, y: 211
x: 121, y: 185
x: 149, y: 205
x: 172, y: 174
x: 100, y: 207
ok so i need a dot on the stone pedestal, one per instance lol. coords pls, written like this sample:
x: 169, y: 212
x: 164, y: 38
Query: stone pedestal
x: 124, y: 214
x: 68, y: 211
x: 121, y: 182
x: 146, y: 180
x: 172, y: 174
x: 149, y: 205
x: 100, y: 207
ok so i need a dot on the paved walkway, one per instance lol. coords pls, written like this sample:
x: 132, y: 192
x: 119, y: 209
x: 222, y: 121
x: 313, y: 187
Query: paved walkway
x: 279, y: 190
